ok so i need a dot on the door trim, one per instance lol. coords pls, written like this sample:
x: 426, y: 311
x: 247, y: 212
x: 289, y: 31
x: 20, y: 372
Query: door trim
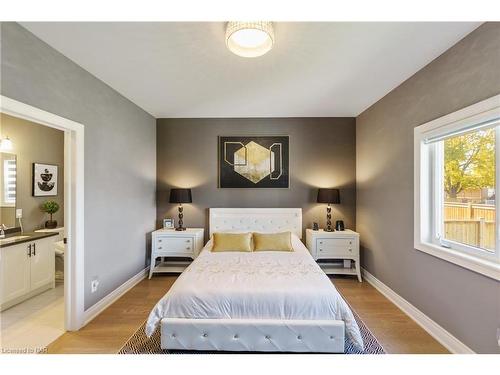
x: 73, y: 202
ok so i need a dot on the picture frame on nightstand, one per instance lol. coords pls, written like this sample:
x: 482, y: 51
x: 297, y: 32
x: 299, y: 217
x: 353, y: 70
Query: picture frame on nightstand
x: 168, y: 223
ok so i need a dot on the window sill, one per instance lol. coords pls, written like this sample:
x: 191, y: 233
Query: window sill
x: 482, y: 266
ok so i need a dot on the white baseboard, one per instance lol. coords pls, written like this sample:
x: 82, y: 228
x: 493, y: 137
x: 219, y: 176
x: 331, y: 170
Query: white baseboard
x: 445, y: 338
x: 104, y: 303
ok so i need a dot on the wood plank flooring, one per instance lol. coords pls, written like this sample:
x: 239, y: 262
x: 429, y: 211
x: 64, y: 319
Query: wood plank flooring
x: 395, y: 330
x: 112, y: 328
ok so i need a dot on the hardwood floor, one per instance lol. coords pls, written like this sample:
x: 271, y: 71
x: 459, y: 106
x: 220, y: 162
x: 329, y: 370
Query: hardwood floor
x: 395, y: 330
x: 110, y: 330
x: 113, y: 327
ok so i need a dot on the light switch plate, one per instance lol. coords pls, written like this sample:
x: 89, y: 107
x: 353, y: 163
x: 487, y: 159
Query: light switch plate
x: 19, y: 213
x: 93, y: 285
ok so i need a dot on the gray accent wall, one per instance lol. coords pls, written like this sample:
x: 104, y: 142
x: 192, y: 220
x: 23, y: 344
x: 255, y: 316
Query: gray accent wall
x: 34, y: 143
x: 120, y: 153
x: 322, y: 154
x: 465, y: 303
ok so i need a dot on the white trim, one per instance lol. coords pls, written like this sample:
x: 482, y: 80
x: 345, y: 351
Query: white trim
x: 464, y: 115
x: 445, y: 338
x: 112, y: 297
x: 470, y: 262
x: 423, y: 181
x: 73, y: 201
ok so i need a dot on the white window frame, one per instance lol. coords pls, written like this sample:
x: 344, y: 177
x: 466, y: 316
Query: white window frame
x: 426, y: 174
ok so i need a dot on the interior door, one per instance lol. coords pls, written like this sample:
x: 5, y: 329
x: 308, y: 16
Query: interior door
x: 15, y: 275
x: 42, y: 262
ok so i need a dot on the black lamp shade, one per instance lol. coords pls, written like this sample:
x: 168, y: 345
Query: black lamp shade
x: 180, y: 196
x: 328, y: 196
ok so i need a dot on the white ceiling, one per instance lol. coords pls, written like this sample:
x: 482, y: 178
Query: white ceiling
x: 315, y: 69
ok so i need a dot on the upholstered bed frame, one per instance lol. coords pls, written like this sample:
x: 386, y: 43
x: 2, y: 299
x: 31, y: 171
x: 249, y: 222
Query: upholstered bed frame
x: 259, y: 335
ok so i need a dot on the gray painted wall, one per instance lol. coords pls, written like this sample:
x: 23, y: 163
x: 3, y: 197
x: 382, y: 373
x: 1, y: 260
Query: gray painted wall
x: 120, y: 155
x: 465, y: 303
x: 322, y: 154
x: 35, y: 143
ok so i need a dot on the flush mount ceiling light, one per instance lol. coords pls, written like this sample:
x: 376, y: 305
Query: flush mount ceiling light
x: 249, y: 39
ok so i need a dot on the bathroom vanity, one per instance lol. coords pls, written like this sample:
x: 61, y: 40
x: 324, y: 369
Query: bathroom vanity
x: 26, y: 266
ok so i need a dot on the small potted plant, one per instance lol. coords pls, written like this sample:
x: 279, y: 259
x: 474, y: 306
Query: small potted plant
x: 51, y: 208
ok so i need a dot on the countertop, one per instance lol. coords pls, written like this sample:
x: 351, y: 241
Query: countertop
x: 32, y: 237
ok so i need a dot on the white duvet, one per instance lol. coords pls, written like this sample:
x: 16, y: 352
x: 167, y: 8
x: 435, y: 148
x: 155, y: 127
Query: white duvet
x: 255, y: 285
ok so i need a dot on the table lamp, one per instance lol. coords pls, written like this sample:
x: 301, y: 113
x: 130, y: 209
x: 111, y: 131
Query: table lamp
x: 330, y: 196
x: 180, y: 196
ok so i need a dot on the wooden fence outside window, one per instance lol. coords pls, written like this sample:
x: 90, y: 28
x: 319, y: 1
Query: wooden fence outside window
x: 472, y: 224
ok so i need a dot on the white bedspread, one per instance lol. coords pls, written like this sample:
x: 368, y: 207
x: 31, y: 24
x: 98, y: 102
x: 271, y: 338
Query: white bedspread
x: 256, y: 285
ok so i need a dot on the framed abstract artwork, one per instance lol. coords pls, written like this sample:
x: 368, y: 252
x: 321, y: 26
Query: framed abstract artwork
x: 44, y: 180
x: 254, y: 162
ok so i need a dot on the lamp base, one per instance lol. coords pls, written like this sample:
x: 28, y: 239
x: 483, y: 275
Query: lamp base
x: 329, y: 219
x: 181, y: 216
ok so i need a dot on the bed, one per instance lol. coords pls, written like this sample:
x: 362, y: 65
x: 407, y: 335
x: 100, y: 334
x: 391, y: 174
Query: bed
x: 258, y: 301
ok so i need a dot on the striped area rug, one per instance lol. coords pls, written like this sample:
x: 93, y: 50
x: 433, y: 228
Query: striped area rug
x: 139, y: 343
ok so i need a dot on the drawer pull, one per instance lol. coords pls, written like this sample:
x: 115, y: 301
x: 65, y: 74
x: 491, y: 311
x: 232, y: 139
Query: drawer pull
x: 188, y: 248
x: 350, y: 249
x: 321, y: 242
x: 159, y: 247
x: 188, y: 241
x: 159, y: 240
x: 320, y: 249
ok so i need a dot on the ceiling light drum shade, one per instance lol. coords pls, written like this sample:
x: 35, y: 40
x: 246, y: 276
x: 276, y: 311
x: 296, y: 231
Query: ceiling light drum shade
x: 328, y: 196
x: 180, y: 196
x: 249, y: 39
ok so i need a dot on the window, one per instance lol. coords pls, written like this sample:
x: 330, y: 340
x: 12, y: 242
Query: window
x: 9, y: 183
x: 457, y: 166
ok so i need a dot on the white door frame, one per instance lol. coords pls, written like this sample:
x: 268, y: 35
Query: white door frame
x: 73, y: 203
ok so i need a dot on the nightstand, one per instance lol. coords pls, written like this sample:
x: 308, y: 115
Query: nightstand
x: 328, y: 248
x: 169, y: 243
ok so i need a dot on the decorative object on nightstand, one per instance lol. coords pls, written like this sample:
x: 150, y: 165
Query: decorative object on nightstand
x: 169, y: 243
x: 339, y: 225
x: 337, y: 253
x: 330, y: 196
x: 168, y: 223
x: 315, y: 226
x: 180, y: 196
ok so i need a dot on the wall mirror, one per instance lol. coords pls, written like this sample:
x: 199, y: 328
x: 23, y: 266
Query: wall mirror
x: 8, y: 177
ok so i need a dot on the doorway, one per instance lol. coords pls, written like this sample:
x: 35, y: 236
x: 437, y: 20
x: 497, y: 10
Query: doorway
x: 72, y: 260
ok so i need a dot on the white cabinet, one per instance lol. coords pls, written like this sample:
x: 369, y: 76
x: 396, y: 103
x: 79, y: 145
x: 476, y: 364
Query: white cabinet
x: 27, y: 269
x: 15, y: 277
x: 42, y: 263
x: 329, y: 247
x: 169, y: 243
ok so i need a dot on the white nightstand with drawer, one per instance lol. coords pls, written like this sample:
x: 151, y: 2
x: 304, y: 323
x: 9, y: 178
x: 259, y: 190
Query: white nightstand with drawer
x: 328, y: 247
x: 169, y: 243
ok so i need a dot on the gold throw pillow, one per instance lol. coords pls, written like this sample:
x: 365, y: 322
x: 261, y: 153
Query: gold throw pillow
x: 272, y: 241
x: 232, y: 242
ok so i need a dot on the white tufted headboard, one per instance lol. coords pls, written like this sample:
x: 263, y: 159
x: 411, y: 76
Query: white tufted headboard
x: 256, y: 220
